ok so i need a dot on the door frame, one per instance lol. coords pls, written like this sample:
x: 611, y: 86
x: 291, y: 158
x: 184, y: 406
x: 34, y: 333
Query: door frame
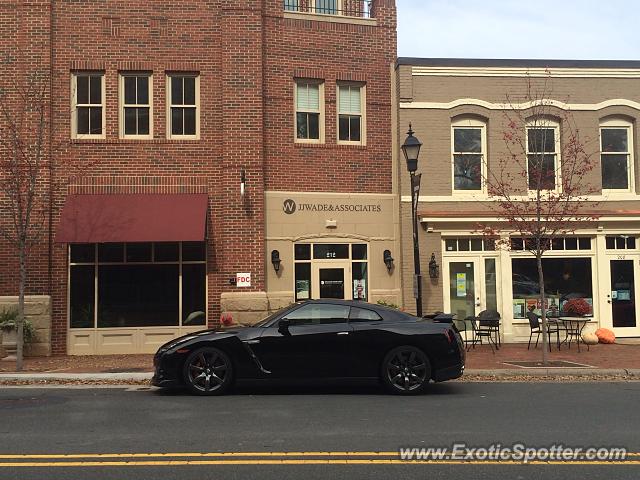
x: 607, y: 320
x: 318, y: 265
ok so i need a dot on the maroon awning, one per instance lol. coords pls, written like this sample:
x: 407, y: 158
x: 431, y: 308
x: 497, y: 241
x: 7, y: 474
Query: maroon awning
x: 133, y: 218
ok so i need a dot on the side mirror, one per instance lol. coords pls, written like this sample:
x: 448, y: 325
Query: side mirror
x: 283, y: 326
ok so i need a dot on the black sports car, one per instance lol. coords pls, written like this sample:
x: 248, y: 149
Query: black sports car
x: 316, y: 339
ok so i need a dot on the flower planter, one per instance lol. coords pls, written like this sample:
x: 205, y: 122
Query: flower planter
x: 9, y: 343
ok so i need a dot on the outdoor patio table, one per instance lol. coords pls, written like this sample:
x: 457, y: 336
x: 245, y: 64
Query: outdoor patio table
x: 574, y: 327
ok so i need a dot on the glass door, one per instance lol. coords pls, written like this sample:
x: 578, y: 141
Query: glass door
x: 622, y: 298
x: 473, y: 286
x: 464, y: 294
x: 332, y: 280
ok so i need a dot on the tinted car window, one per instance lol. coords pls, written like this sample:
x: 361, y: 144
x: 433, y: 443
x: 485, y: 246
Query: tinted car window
x: 363, y: 315
x: 319, y: 314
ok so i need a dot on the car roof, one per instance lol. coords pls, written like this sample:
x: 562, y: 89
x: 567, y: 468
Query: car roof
x: 352, y: 303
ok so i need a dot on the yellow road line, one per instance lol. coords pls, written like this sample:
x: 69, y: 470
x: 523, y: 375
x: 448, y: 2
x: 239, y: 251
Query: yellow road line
x: 200, y: 454
x: 173, y: 463
x: 45, y: 456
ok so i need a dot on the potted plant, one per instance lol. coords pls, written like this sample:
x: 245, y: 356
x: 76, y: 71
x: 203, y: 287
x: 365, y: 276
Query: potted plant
x: 8, y: 320
x: 578, y: 307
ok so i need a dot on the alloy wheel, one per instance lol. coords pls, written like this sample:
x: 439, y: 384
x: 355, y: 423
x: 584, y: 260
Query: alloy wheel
x: 208, y: 371
x: 407, y: 369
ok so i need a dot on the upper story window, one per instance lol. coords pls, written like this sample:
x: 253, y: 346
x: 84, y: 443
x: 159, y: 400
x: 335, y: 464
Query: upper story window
x: 351, y: 101
x: 309, y: 111
x: 468, y: 145
x: 616, y: 156
x: 543, y: 152
x: 351, y: 8
x: 183, y: 106
x: 87, y: 109
x: 136, y: 109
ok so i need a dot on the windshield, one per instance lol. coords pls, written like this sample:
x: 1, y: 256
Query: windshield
x: 266, y: 320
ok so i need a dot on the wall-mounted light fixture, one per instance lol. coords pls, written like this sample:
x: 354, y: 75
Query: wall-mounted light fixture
x: 275, y: 260
x: 434, y: 268
x: 243, y: 181
x: 388, y: 259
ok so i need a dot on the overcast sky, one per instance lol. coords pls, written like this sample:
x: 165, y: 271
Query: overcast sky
x: 549, y: 29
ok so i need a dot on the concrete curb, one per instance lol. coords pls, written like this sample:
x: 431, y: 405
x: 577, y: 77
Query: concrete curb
x: 503, y: 372
x: 544, y: 372
x: 120, y: 376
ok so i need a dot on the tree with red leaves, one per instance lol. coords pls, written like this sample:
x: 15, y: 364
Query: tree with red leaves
x: 540, y: 186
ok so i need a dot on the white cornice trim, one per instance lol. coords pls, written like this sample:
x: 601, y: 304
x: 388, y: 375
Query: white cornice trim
x: 622, y: 197
x: 615, y: 102
x: 526, y: 72
x: 427, y: 219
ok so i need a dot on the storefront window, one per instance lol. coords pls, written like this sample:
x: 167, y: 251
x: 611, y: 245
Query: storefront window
x: 82, y: 294
x: 359, y: 272
x: 564, y: 279
x: 303, y: 281
x: 194, y: 284
x: 138, y: 285
x: 138, y: 295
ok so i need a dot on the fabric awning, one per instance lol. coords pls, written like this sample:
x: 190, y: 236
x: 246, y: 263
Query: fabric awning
x: 133, y: 218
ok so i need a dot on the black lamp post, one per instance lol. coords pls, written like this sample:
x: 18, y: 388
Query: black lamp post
x: 411, y: 151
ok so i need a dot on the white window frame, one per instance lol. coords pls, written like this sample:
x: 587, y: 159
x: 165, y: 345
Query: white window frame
x: 122, y: 105
x: 169, y: 79
x: 321, y: 110
x: 545, y: 123
x: 469, y: 123
x: 618, y: 124
x: 75, y: 105
x: 363, y: 112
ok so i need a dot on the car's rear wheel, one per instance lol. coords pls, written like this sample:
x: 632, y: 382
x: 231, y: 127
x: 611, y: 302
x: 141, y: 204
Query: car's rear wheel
x: 406, y: 370
x: 208, y: 371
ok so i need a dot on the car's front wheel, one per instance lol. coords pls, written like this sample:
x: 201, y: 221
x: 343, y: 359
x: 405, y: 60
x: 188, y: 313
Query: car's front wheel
x: 406, y: 370
x: 208, y: 371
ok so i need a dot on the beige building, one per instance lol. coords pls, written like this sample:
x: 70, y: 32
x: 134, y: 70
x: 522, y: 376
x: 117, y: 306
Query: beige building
x: 332, y: 245
x: 457, y: 109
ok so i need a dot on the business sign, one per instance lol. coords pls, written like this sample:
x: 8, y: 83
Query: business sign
x: 290, y: 207
x: 243, y: 279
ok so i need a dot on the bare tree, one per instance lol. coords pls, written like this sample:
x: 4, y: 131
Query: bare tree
x: 540, y: 186
x: 24, y: 183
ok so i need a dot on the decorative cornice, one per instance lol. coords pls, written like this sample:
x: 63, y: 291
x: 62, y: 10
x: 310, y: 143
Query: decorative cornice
x: 615, y: 102
x: 525, y: 72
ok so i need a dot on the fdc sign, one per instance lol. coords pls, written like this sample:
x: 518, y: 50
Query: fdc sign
x: 243, y: 279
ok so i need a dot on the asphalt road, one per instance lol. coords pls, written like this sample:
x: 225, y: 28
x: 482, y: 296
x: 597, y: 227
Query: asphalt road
x: 140, y: 434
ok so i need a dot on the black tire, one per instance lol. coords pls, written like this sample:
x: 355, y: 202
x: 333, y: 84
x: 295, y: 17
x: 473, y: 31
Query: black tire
x: 208, y: 371
x: 405, y: 370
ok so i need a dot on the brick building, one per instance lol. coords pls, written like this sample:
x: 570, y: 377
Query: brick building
x: 212, y: 138
x: 461, y: 110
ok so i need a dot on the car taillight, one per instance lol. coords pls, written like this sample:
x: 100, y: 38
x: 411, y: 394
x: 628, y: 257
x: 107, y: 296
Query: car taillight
x: 450, y: 335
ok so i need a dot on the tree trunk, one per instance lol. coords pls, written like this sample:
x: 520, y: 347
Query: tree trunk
x: 20, y: 319
x: 545, y: 340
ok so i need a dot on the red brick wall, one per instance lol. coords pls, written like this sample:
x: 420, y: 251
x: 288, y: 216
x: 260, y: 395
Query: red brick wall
x: 247, y: 55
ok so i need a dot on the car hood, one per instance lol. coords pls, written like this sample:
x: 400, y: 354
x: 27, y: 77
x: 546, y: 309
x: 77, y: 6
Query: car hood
x: 241, y: 332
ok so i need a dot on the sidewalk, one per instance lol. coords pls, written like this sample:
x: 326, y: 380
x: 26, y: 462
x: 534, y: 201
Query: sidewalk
x: 619, y: 360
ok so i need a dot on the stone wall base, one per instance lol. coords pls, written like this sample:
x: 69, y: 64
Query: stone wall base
x: 251, y: 307
x: 38, y: 311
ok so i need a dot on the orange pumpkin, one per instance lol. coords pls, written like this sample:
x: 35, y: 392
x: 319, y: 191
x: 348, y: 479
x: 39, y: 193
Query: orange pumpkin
x: 605, y: 335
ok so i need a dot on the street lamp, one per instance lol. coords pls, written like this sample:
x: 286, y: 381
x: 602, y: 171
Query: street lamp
x: 411, y: 151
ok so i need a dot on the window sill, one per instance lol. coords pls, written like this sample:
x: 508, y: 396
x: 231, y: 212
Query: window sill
x: 80, y: 141
x: 319, y: 17
x: 330, y: 145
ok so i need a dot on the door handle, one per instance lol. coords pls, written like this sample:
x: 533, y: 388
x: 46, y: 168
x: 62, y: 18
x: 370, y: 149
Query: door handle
x: 343, y: 333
